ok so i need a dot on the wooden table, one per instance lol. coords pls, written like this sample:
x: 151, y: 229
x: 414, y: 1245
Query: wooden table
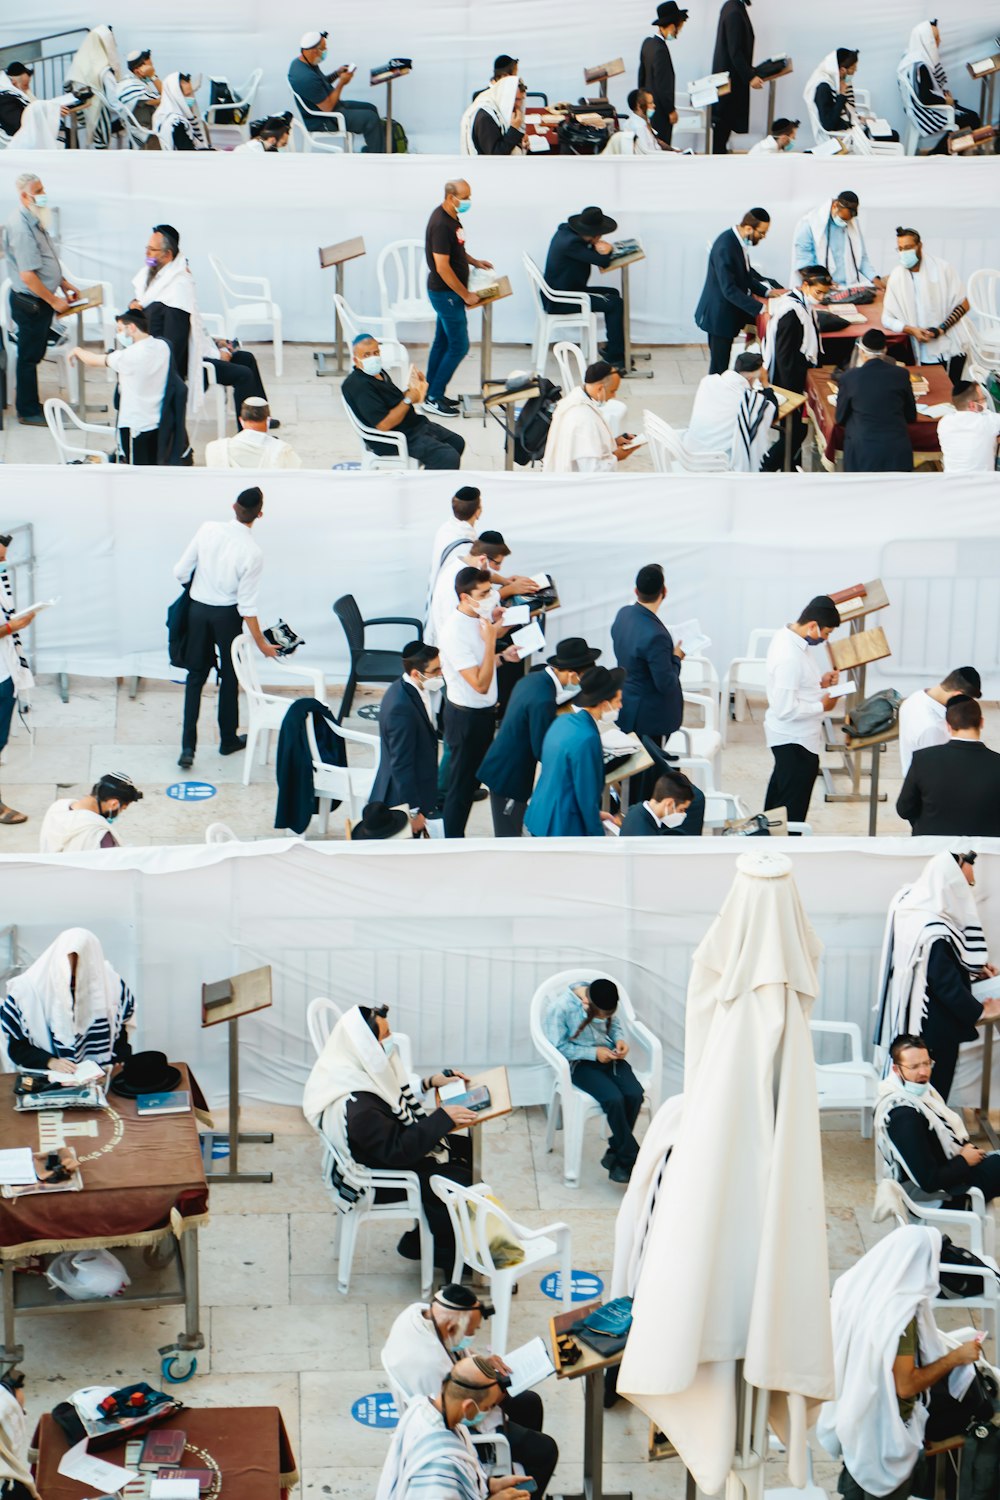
x: 789, y: 402
x: 590, y: 1368
x: 830, y: 435
x: 836, y: 345
x: 496, y: 1080
x: 876, y: 743
x: 640, y: 760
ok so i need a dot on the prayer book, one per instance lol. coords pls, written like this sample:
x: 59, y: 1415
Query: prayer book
x: 16, y: 1167
x: 500, y: 287
x: 847, y: 597
x: 51, y: 1172
x: 174, y: 1489
x: 164, y: 1447
x: 689, y: 635
x: 205, y: 1477
x: 177, y: 1103
x: 529, y: 1366
x: 986, y: 989
x: 517, y: 614
x: 625, y: 250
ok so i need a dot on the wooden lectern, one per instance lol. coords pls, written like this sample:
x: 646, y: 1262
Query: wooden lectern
x: 771, y: 81
x: 601, y: 72
x: 861, y: 646
x: 227, y: 1000
x: 92, y: 296
x: 338, y: 256
x: 388, y: 76
x: 985, y: 72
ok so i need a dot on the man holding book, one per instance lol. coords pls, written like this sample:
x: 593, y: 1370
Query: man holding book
x: 577, y: 245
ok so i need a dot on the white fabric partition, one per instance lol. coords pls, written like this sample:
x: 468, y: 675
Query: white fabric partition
x: 739, y: 551
x: 269, y: 217
x: 454, y: 937
x: 453, y: 43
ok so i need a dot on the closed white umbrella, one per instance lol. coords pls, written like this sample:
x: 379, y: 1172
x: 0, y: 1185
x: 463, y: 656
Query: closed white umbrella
x: 731, y: 1322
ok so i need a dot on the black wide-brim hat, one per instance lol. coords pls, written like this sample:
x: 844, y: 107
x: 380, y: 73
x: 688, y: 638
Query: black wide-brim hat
x: 599, y: 685
x: 145, y: 1073
x: 380, y: 822
x: 592, y: 221
x: 573, y: 655
x: 669, y: 14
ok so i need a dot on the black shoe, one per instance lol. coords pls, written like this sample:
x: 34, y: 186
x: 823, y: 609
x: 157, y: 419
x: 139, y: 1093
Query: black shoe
x: 37, y: 421
x: 620, y: 1172
x: 273, y: 424
x: 608, y: 1159
x: 480, y: 794
x: 441, y: 408
x: 186, y: 760
x: 602, y: 349
x: 408, y: 1246
x: 234, y: 746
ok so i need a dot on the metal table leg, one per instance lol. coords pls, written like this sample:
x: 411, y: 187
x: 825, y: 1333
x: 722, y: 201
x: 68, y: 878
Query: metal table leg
x: 630, y: 356
x: 772, y: 84
x: 788, y: 443
x: 873, y: 791
x: 983, y: 1112
x: 388, y: 116
x: 12, y: 1353
x: 593, y: 1444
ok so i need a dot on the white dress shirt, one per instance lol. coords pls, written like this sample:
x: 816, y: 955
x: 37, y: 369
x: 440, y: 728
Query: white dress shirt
x: 968, y: 441
x: 921, y: 723
x: 226, y: 563
x: 452, y: 530
x: 794, y: 695
x: 142, y: 379
x: 443, y: 596
x: 462, y: 646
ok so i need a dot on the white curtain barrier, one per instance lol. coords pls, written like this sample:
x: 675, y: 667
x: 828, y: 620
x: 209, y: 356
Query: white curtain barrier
x: 740, y: 551
x: 269, y: 217
x: 456, y: 947
x: 453, y: 43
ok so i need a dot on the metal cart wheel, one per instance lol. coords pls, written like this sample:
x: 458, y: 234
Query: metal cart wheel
x: 179, y: 1367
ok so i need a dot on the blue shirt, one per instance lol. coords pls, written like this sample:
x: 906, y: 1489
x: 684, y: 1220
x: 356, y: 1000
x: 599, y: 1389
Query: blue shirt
x: 562, y: 1020
x: 839, y: 258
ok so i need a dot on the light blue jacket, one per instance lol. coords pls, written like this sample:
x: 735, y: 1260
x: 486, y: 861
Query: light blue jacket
x: 562, y: 1019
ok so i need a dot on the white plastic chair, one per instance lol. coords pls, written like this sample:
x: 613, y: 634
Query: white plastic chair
x: 698, y: 675
x: 98, y: 322
x: 221, y: 833
x: 983, y: 320
x: 246, y: 303
x: 325, y: 139
x: 59, y: 416
x: 349, y: 784
x: 701, y: 743
x: 399, y: 459
x: 913, y: 136
x: 690, y: 119
x: 401, y: 270
x: 222, y: 135
x: 745, y: 674
x: 582, y: 319
x: 671, y: 455
x: 473, y: 1218
x: 395, y: 357
x: 860, y: 144
x: 136, y: 135
x: 498, y: 1460
x: 215, y: 395
x: 266, y: 711
x: 845, y: 1085
x: 974, y: 1225
x: 409, y: 1207
x: 57, y: 354
x: 322, y: 1015
x: 570, y: 363
x: 574, y: 1105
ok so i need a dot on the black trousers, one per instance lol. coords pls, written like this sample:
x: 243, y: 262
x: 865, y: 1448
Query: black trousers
x: 437, y: 447
x: 719, y: 350
x: 33, y: 320
x: 529, y: 1445
x: 140, y: 450
x: 619, y: 1093
x: 211, y: 628
x: 459, y: 1169
x: 609, y: 302
x: 985, y: 1175
x: 508, y: 816
x: 468, y: 733
x: 241, y: 375
x: 661, y: 127
x: 791, y: 783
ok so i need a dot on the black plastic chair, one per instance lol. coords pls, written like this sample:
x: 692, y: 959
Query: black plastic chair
x: 367, y: 665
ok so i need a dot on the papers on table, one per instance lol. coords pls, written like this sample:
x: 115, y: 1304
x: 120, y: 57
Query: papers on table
x: 830, y: 147
x: 517, y: 614
x: 529, y: 638
x: 690, y: 636
x: 16, y: 1167
x: 840, y: 690
x: 848, y: 312
x: 528, y: 1365
x: 982, y: 989
x: 86, y: 1468
x: 705, y: 91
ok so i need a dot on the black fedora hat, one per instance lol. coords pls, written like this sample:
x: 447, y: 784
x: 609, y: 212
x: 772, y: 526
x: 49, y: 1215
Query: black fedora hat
x: 380, y: 822
x: 599, y: 685
x: 145, y: 1073
x: 573, y: 655
x: 669, y: 14
x: 592, y: 222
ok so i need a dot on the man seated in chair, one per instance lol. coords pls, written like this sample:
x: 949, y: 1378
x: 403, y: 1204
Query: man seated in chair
x: 733, y: 414
x: 582, y: 1025
x: 582, y: 437
x: 674, y: 807
x: 424, y: 1344
x: 377, y: 402
x: 253, y: 447
x: 924, y: 1143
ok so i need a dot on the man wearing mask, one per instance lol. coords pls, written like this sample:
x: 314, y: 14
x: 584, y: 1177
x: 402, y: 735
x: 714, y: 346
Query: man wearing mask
x: 665, y: 811
x: 142, y: 365
x: 875, y: 404
x: 925, y: 298
x: 733, y: 414
x: 512, y: 759
x: 796, y: 703
x: 577, y: 245
x: 967, y: 435
x: 733, y: 54
x: 448, y: 264
x: 566, y: 802
x: 272, y: 137
x: 15, y: 96
x: 580, y: 437
x: 652, y: 700
x: 39, y: 291
x: 72, y: 825
x: 830, y: 236
x: 656, y: 69
x: 792, y: 345
x: 733, y: 291
x: 426, y: 1340
x: 322, y: 91
x: 781, y: 138
x: 377, y: 402
x: 407, y: 727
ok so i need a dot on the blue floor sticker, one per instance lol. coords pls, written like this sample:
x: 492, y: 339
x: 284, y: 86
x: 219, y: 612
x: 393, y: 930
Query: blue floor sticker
x: 587, y: 1286
x: 376, y: 1410
x: 191, y: 791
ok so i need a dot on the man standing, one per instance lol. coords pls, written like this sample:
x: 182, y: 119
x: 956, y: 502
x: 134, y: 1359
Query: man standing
x: 796, y: 703
x: 322, y: 91
x: 656, y: 69
x: 377, y: 402
x: 733, y: 414
x: 512, y: 759
x: 223, y: 565
x: 458, y: 530
x: 580, y: 439
x: 733, y: 54
x: 733, y: 291
x: 954, y: 789
x: 652, y: 700
x: 253, y: 447
x: 875, y: 404
x: 483, y: 553
x: 407, y: 727
x: 830, y: 236
x: 469, y: 659
x: 39, y: 291
x: 925, y: 298
x: 968, y: 435
x: 15, y: 674
x: 448, y: 264
x: 72, y: 825
x: 578, y: 244
x: 566, y: 802
x: 792, y: 345
x: 142, y: 366
x: 921, y: 715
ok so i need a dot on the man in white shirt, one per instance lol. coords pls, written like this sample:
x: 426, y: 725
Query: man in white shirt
x: 921, y: 715
x: 968, y: 435
x: 253, y: 447
x: 781, y: 138
x: 640, y: 103
x: 82, y: 823
x: 796, y: 703
x: 272, y: 137
x: 466, y: 513
x: 223, y: 565
x: 733, y: 414
x: 142, y: 365
x: 580, y: 440
x: 478, y: 554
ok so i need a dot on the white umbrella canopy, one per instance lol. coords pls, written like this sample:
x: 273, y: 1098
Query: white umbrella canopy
x: 731, y: 1315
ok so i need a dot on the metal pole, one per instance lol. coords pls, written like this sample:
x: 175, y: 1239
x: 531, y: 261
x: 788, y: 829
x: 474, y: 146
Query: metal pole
x: 234, y: 1096
x: 873, y: 792
x: 388, y: 117
x: 486, y: 345
x: 338, y: 332
x: 771, y: 87
x: 788, y: 442
x: 708, y: 130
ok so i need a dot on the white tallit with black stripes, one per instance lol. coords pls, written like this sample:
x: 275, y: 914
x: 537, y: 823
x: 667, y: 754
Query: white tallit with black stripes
x: 791, y: 302
x: 11, y: 648
x: 354, y: 1062
x: 922, y: 52
x: 731, y: 416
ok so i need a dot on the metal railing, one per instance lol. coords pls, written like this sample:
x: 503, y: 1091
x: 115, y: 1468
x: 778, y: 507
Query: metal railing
x: 51, y: 64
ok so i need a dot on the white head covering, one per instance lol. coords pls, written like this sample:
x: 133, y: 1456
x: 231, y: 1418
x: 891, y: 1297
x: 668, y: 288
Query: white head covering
x: 790, y: 302
x: 498, y: 101
x: 948, y: 1126
x: 97, y: 53
x: 51, y: 1011
x: 922, y: 51
x: 14, y: 1442
x: 175, y: 107
x: 828, y: 71
x: 174, y: 286
x: 39, y: 127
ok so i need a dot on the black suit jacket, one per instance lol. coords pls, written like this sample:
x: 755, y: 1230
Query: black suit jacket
x: 734, y: 55
x: 953, y: 789
x: 511, y: 761
x: 656, y: 76
x: 652, y: 701
x: 726, y: 305
x: 408, y: 770
x: 874, y: 404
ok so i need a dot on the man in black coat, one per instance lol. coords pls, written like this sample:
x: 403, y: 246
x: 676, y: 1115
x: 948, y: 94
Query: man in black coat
x: 656, y: 69
x: 733, y: 292
x: 937, y: 1160
x: 733, y: 55
x: 954, y: 788
x: 512, y: 759
x: 652, y: 701
x: 577, y: 245
x: 794, y: 342
x: 875, y: 404
x: 666, y: 811
x: 407, y: 726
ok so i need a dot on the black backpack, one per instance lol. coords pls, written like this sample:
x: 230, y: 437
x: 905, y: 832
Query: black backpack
x: 531, y: 430
x: 953, y: 1282
x: 876, y: 715
x: 221, y: 93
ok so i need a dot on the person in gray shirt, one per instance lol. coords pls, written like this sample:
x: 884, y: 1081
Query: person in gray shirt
x: 39, y: 292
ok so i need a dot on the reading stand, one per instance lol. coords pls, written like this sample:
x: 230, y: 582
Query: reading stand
x: 601, y: 72
x: 474, y: 405
x: 985, y: 70
x: 590, y: 1367
x: 503, y: 403
x: 93, y: 296
x: 227, y: 1000
x: 852, y: 655
x: 771, y: 81
x: 337, y: 255
x: 622, y: 263
x: 388, y: 77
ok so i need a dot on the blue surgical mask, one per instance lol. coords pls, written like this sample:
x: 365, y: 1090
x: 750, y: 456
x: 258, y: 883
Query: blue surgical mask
x: 462, y: 1343
x: 473, y: 1421
x: 908, y: 259
x: 918, y: 1090
x: 389, y: 1046
x: 787, y: 146
x: 464, y: 206
x: 838, y: 218
x: 124, y: 339
x: 41, y: 200
x: 372, y: 364
x: 815, y: 641
x: 109, y: 817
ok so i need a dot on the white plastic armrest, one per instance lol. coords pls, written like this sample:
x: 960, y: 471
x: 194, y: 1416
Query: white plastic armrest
x: 260, y: 283
x: 576, y: 299
x: 842, y: 1028
x: 358, y: 738
x: 557, y: 1230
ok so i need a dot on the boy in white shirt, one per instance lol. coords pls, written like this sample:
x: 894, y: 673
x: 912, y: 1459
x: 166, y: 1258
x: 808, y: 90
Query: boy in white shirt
x: 796, y: 703
x: 968, y: 435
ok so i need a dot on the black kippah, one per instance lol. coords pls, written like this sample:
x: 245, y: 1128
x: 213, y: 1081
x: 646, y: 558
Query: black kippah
x: 456, y: 1297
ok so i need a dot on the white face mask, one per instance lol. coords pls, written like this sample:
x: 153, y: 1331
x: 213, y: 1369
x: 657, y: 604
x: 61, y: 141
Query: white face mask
x: 610, y: 716
x: 41, y: 200
x: 372, y: 364
x: 389, y: 1046
x: 673, y: 820
x: 124, y: 339
x: 486, y: 606
x: 564, y: 694
x: 433, y: 684
x: 839, y: 218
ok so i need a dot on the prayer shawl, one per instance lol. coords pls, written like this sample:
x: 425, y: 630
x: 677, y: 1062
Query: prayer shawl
x: 354, y: 1062
x: 39, y: 127
x: 578, y: 431
x: 733, y: 417
x: 854, y: 250
x: 922, y: 52
x: 11, y: 646
x: 175, y: 108
x: 828, y: 72
x: 945, y: 1123
x: 76, y: 1024
x: 639, y: 1203
x: 14, y: 1443
x: 794, y: 302
x: 940, y: 905
x: 735, y: 1263
x: 941, y: 290
x: 98, y: 64
x: 498, y: 101
x: 251, y: 450
x: 426, y: 1460
x: 66, y: 829
x: 173, y: 285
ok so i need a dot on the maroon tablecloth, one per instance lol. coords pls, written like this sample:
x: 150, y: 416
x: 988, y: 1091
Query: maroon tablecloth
x: 923, y: 432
